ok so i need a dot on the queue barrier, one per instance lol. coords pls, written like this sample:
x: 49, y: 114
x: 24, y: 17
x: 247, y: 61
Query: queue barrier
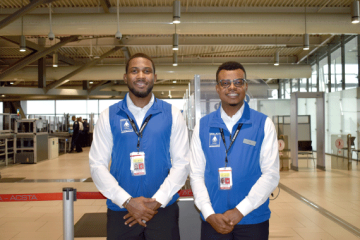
x: 69, y: 195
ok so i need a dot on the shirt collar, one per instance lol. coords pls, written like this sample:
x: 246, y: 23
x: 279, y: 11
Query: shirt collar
x: 132, y: 106
x: 236, y: 117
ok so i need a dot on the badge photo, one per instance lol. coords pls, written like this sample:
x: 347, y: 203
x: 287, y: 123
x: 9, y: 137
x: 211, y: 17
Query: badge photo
x: 225, y: 177
x: 214, y: 139
x: 125, y: 126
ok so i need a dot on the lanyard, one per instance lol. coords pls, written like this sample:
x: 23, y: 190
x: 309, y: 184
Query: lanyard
x: 232, y: 140
x: 139, y: 133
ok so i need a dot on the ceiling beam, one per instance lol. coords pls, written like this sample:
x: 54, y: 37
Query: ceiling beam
x: 33, y: 46
x: 21, y: 12
x: 100, y: 86
x: 54, y: 92
x: 199, y: 40
x: 33, y: 57
x: 82, y: 68
x: 106, y: 5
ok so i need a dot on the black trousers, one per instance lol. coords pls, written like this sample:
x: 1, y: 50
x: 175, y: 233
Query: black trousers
x: 258, y: 231
x: 163, y: 226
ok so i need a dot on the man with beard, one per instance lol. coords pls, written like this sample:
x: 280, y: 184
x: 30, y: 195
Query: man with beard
x: 148, y: 133
x: 234, y: 164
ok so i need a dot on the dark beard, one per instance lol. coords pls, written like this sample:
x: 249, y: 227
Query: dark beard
x: 141, y: 94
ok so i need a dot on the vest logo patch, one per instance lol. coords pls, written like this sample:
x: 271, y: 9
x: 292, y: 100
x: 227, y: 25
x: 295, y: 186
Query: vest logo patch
x: 214, y: 139
x: 250, y: 142
x: 125, y: 126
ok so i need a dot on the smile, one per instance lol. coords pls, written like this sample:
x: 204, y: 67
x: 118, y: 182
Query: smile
x: 232, y: 95
x: 140, y: 84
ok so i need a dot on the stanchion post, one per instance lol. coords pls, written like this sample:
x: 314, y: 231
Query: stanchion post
x: 349, y: 151
x: 69, y: 196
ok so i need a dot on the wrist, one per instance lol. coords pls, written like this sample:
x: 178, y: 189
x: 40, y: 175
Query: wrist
x: 127, y: 202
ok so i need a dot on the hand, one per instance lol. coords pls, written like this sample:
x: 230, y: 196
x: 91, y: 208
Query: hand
x: 234, y: 215
x: 220, y: 223
x: 138, y: 211
x: 152, y: 205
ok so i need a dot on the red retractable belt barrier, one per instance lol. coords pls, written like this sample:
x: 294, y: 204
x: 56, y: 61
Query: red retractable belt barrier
x: 59, y: 196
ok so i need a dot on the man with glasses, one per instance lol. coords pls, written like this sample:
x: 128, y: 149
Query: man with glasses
x: 234, y: 164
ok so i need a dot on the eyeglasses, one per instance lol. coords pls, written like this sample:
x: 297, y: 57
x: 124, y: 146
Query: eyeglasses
x: 239, y: 82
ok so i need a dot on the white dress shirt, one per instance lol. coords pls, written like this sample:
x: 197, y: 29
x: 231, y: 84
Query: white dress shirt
x: 81, y: 126
x: 261, y: 190
x: 101, y: 149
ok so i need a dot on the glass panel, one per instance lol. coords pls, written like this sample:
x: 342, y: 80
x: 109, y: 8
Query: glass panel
x: 351, y: 64
x: 92, y: 106
x: 103, y: 104
x: 312, y: 80
x: 41, y: 107
x: 71, y: 106
x: 1, y: 107
x: 323, y: 75
x: 336, y: 70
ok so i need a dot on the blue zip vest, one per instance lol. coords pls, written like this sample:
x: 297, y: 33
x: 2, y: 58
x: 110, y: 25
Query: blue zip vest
x: 155, y: 143
x: 243, y: 158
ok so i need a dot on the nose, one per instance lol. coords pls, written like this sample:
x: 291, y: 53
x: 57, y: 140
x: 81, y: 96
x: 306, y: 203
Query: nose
x: 232, y: 86
x: 140, y: 75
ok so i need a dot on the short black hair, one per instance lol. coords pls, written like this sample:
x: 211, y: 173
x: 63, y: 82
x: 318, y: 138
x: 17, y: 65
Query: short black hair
x: 231, y: 65
x: 139, y: 55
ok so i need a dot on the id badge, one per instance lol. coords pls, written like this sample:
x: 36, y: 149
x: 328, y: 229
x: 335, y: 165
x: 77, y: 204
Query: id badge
x: 137, y: 163
x: 225, y: 178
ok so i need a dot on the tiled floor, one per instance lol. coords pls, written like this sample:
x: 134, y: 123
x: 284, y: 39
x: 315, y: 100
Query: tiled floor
x: 336, y: 190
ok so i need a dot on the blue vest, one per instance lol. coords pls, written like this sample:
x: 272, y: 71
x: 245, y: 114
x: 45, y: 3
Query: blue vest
x: 155, y: 143
x: 243, y: 158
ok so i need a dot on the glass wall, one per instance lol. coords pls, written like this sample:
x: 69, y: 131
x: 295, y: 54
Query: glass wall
x: 351, y: 64
x: 323, y: 75
x: 1, y: 107
x: 78, y: 108
x: 336, y: 77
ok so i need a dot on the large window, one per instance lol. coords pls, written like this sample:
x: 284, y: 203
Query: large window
x: 323, y: 75
x: 336, y: 77
x: 41, y: 107
x: 1, y: 107
x: 351, y: 64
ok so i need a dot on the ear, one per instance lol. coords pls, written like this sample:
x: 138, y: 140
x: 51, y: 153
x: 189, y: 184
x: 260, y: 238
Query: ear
x: 246, y: 87
x: 125, y: 78
x: 155, y: 78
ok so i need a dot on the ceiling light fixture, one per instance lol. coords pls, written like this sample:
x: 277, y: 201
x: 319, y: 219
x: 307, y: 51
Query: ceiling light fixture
x: 118, y: 34
x: 22, y: 43
x: 355, y: 12
x: 175, y: 41
x: 51, y: 35
x: 175, y: 60
x: 169, y: 94
x: 22, y: 37
x: 276, y: 58
x: 306, y: 41
x: 91, y: 82
x: 176, y: 12
x: 55, y: 59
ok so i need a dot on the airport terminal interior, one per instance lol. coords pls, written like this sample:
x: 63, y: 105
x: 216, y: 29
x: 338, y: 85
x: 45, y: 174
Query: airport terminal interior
x: 65, y: 58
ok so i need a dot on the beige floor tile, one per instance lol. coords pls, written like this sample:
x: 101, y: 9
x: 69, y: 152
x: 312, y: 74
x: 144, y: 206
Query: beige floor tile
x: 316, y: 236
x: 7, y: 235
x: 24, y: 227
x: 36, y: 236
x: 53, y: 227
x: 51, y: 217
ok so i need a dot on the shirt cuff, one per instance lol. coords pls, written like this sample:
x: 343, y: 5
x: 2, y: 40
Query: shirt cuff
x: 120, y: 199
x: 207, y: 210
x: 162, y: 198
x: 245, y: 207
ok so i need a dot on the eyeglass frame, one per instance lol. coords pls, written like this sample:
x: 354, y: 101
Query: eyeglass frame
x: 232, y: 82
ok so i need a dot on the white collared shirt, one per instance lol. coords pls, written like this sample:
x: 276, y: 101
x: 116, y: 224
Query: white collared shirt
x: 102, y: 145
x: 261, y: 190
